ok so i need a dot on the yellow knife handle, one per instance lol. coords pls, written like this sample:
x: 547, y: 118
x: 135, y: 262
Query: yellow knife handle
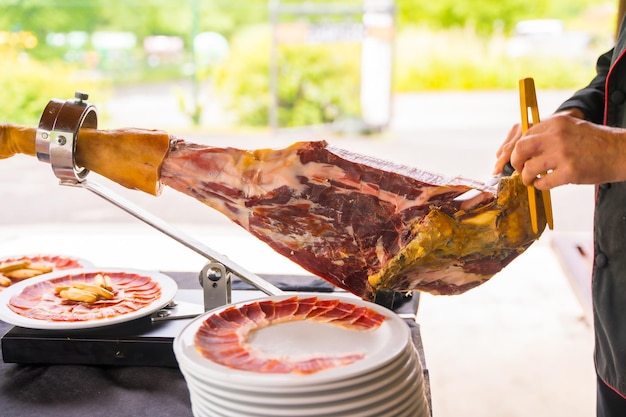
x: 532, y: 205
x: 547, y: 205
x: 528, y: 100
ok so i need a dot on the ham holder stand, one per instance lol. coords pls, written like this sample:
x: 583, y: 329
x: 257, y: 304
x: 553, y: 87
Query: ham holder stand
x: 56, y: 140
x: 146, y: 341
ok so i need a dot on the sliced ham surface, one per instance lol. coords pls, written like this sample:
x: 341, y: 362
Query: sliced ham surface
x: 358, y: 222
x: 223, y: 337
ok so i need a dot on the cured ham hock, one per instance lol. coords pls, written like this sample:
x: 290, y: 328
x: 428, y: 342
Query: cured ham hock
x: 360, y: 223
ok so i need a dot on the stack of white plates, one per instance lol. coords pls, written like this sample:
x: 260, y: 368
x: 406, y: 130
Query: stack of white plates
x: 381, y: 377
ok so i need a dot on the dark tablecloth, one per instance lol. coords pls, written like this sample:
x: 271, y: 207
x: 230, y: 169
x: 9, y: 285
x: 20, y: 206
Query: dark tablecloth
x: 79, y: 390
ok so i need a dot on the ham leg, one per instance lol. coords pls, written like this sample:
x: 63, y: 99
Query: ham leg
x: 360, y: 223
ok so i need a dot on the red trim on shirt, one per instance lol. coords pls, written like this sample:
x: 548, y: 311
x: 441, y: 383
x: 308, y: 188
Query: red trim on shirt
x: 614, y: 389
x: 606, y: 86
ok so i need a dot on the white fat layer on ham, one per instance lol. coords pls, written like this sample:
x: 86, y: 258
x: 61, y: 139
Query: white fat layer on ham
x: 452, y: 275
x: 404, y: 170
x: 258, y: 173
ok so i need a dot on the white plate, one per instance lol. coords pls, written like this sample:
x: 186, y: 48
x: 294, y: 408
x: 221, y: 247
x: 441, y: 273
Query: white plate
x: 357, y: 397
x: 380, y: 346
x: 168, y: 291
x: 401, y: 394
x: 284, y: 398
x: 385, y: 403
x: 264, y: 393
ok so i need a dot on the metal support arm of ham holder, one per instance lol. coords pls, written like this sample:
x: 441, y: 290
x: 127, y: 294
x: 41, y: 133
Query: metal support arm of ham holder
x: 57, y: 136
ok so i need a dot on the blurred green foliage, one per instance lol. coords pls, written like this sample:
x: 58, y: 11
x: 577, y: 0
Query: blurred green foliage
x: 316, y: 84
x: 142, y: 17
x: 440, y: 45
x: 486, y: 16
x: 28, y: 85
x: 425, y: 62
x: 183, y: 18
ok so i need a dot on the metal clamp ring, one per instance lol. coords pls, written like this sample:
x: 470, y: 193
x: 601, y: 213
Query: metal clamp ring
x: 57, y: 135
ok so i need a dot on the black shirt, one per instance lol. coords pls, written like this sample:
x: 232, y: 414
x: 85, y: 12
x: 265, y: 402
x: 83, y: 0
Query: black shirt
x: 604, y: 101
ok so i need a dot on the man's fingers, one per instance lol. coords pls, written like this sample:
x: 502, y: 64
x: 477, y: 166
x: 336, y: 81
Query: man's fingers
x: 548, y: 181
x: 512, y: 136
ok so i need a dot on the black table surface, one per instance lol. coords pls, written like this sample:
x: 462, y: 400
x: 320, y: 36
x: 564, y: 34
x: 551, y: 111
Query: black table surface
x: 86, y: 390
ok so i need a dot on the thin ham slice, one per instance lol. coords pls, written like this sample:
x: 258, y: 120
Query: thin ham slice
x: 223, y: 336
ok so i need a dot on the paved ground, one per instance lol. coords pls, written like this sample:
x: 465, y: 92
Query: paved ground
x: 516, y: 346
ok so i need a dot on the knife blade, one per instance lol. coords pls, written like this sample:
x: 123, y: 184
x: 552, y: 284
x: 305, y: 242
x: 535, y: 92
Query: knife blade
x: 468, y: 195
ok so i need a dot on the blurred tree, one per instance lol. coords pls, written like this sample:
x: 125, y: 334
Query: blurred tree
x: 485, y: 15
x: 143, y: 17
x: 152, y: 17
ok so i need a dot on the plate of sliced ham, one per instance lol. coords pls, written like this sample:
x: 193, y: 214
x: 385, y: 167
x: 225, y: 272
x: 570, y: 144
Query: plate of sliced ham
x: 292, y: 336
x: 302, y: 354
x: 85, y: 298
x: 14, y: 269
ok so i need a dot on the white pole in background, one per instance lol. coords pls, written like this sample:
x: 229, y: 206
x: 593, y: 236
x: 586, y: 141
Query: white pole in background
x: 377, y: 63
